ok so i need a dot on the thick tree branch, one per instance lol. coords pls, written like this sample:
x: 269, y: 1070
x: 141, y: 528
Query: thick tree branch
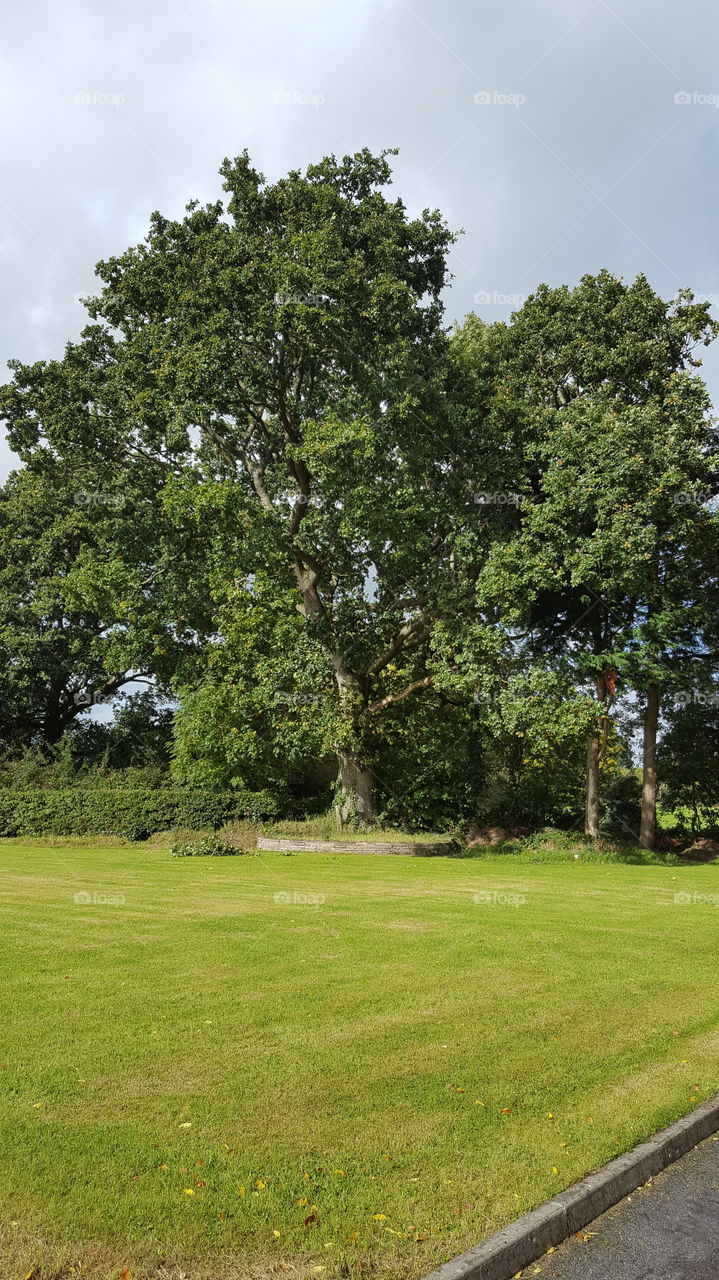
x: 411, y: 634
x: 399, y: 697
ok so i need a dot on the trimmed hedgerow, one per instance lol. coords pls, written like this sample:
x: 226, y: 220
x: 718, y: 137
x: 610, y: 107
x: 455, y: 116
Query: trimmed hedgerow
x: 134, y: 813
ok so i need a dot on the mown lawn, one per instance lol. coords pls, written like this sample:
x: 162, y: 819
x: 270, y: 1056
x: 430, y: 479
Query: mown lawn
x: 206, y: 1078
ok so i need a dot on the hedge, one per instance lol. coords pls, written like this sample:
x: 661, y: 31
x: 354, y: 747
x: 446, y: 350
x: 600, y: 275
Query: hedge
x: 134, y: 813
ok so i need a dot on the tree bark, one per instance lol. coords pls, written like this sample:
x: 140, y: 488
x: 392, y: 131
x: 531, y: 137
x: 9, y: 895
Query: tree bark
x: 648, y: 824
x: 356, y: 803
x: 594, y: 751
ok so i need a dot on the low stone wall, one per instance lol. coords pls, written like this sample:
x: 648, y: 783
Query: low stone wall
x: 425, y: 849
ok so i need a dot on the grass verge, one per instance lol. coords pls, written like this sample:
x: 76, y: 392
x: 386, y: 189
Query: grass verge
x: 322, y: 1066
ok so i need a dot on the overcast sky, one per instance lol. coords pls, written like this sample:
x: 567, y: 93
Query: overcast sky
x: 562, y: 135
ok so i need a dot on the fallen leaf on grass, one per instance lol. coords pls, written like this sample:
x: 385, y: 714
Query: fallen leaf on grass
x: 379, y: 1217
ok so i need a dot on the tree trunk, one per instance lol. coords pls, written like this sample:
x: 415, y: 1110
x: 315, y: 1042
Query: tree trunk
x: 648, y: 825
x: 594, y: 751
x: 356, y: 803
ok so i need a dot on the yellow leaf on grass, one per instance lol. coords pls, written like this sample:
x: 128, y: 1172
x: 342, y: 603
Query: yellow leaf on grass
x: 353, y: 1236
x: 340, y: 1173
x: 555, y: 1170
x: 240, y: 1191
x: 276, y: 1234
x: 260, y: 1184
x: 379, y: 1217
x: 189, y: 1191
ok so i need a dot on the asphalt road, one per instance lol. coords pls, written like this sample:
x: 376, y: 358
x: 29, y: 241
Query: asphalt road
x: 668, y: 1230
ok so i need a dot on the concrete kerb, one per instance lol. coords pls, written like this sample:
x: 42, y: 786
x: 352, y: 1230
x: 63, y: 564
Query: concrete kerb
x: 522, y: 1242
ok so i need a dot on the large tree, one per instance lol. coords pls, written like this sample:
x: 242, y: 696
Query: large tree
x: 281, y: 359
x: 607, y: 555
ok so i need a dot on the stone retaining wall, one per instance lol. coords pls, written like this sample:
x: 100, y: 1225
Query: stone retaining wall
x: 426, y: 849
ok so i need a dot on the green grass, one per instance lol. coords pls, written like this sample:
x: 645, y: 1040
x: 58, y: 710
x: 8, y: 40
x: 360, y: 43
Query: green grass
x: 395, y: 1049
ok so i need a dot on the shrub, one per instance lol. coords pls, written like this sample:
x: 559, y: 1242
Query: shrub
x: 206, y: 847
x: 132, y: 813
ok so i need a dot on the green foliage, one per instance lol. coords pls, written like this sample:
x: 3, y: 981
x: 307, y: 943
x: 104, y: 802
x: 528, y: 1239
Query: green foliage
x: 324, y: 525
x: 206, y: 847
x: 553, y: 845
x: 123, y: 812
x: 689, y: 759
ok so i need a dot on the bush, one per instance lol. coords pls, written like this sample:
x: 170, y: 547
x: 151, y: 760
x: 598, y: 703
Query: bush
x: 132, y: 813
x: 206, y: 847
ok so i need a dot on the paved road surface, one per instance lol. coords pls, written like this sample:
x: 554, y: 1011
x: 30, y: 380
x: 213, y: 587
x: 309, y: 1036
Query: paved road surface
x: 668, y: 1230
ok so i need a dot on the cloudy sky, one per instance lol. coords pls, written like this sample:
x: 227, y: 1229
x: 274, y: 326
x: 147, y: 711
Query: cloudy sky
x: 561, y: 135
